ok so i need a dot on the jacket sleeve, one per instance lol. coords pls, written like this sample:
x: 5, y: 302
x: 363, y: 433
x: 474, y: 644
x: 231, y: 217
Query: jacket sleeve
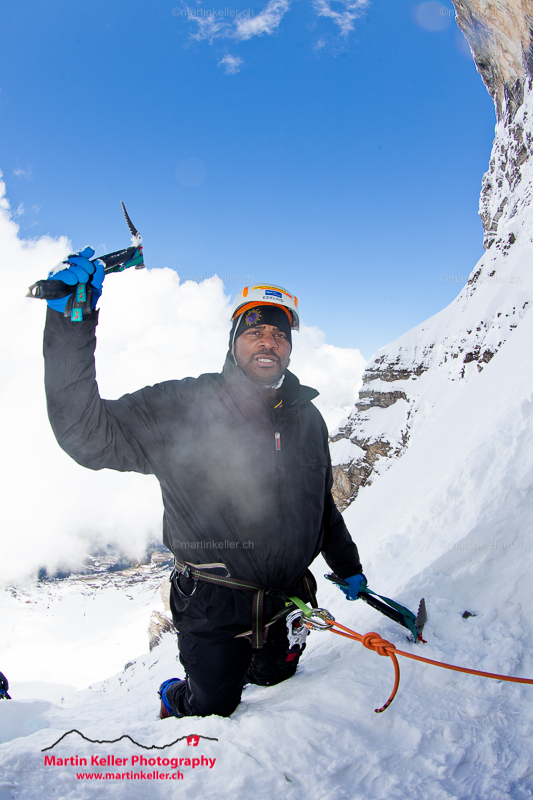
x: 118, y: 434
x: 338, y: 548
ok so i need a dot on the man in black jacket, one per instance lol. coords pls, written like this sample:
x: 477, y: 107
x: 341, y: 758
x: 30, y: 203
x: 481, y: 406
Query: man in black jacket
x: 243, y: 462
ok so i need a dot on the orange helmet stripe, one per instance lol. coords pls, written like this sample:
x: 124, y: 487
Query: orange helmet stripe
x: 247, y: 306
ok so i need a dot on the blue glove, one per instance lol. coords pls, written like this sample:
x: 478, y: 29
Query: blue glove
x: 78, y: 269
x: 356, y: 584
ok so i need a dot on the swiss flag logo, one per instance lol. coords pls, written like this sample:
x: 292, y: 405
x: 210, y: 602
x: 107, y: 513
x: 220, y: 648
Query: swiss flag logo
x: 193, y: 740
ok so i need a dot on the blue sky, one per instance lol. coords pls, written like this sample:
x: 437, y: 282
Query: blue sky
x: 344, y: 164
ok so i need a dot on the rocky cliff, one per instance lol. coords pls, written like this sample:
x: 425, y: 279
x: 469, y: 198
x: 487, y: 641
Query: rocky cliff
x: 499, y: 35
x: 415, y: 377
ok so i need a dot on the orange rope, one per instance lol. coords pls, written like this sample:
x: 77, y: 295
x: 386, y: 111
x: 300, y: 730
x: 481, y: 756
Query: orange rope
x: 373, y: 641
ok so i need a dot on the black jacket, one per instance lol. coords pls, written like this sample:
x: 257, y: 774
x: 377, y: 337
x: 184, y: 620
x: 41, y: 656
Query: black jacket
x: 229, y: 494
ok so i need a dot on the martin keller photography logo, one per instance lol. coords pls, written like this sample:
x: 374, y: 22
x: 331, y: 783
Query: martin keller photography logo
x: 141, y: 767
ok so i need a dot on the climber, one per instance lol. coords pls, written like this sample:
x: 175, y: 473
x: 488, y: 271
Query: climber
x: 243, y: 463
x: 4, y: 686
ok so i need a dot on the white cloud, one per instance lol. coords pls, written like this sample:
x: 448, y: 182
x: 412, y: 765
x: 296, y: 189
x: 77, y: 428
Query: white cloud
x: 232, y: 64
x: 23, y: 173
x: 53, y: 510
x: 265, y: 22
x: 345, y: 16
x: 336, y: 372
x: 209, y: 27
x: 242, y: 26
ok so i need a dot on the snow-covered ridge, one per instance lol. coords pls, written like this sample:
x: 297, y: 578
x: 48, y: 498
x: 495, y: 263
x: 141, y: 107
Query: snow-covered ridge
x: 419, y: 374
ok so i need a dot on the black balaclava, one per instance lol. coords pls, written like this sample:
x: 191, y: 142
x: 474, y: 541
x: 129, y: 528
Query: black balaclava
x: 260, y: 315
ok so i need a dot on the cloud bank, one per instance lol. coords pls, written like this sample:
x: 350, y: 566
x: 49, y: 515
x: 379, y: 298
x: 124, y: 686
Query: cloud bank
x: 55, y: 511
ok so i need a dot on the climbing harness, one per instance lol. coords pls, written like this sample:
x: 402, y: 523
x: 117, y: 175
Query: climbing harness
x: 259, y: 628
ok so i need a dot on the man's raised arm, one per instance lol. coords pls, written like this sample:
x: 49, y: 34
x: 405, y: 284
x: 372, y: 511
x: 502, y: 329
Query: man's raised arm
x: 118, y: 434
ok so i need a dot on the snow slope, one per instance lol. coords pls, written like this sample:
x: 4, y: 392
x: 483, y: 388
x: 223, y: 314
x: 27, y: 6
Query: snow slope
x: 452, y: 521
x: 85, y: 628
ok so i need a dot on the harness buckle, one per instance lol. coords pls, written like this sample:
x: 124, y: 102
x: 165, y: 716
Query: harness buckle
x: 175, y: 580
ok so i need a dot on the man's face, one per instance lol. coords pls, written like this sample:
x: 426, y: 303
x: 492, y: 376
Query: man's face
x: 263, y: 352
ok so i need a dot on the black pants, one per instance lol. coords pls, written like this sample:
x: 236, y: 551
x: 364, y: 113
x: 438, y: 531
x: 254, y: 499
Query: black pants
x: 216, y: 663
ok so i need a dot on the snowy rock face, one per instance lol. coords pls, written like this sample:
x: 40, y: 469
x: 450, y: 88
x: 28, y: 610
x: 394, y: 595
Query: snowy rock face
x: 500, y: 35
x: 417, y: 376
x: 506, y: 191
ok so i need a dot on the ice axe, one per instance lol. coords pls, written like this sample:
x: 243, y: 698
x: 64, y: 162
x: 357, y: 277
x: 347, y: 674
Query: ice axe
x: 391, y: 609
x: 117, y: 261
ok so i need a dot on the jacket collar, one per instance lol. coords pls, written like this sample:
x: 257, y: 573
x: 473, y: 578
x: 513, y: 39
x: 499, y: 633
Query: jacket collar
x: 292, y: 392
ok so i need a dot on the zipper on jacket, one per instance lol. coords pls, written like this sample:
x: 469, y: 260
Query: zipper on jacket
x: 277, y: 437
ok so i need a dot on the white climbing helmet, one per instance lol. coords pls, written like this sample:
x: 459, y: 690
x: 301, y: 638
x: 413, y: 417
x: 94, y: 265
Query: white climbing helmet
x: 266, y: 294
